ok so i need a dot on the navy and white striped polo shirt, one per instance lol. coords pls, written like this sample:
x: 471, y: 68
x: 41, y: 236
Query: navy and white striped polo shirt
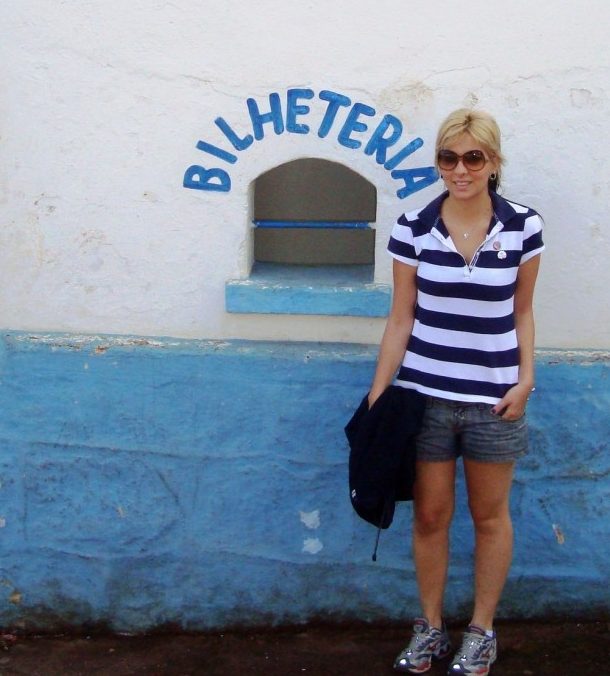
x: 464, y: 345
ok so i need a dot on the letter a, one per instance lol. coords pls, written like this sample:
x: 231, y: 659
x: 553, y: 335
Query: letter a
x: 426, y: 176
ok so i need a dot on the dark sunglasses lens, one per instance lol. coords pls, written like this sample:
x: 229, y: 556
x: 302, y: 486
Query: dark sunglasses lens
x: 474, y: 159
x: 447, y: 159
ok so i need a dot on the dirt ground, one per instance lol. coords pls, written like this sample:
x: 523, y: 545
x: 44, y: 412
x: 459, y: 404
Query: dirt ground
x: 553, y: 649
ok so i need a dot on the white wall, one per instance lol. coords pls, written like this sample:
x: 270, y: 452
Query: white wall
x: 103, y: 102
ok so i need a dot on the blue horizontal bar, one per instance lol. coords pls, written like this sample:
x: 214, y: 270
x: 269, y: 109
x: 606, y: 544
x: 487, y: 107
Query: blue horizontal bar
x: 333, y: 290
x: 311, y: 224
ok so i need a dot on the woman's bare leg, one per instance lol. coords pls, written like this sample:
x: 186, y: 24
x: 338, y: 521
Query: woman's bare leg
x: 488, y: 498
x: 434, y: 499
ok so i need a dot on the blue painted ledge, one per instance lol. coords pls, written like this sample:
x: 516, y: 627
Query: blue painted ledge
x: 290, y: 289
x: 343, y: 225
x: 204, y: 484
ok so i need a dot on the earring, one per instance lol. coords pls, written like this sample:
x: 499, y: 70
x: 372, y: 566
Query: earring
x: 493, y: 176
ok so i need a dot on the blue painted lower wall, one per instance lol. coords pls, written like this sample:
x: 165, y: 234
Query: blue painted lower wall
x: 204, y: 484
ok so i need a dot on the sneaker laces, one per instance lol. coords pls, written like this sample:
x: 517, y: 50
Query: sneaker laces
x: 421, y: 637
x: 472, y: 646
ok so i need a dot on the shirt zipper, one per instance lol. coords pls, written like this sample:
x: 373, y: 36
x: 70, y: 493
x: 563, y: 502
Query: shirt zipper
x: 469, y: 266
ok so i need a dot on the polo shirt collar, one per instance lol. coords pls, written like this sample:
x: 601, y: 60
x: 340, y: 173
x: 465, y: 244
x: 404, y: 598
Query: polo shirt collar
x: 501, y: 208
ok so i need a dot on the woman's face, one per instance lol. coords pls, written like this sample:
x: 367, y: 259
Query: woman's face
x: 464, y: 183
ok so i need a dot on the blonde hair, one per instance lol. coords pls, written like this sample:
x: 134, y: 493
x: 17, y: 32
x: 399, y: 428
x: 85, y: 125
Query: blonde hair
x: 483, y: 129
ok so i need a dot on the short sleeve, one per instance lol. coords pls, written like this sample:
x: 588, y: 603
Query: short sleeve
x: 532, y: 237
x: 402, y: 243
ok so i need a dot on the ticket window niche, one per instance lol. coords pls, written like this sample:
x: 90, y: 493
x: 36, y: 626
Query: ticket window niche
x: 313, y: 244
x: 314, y: 216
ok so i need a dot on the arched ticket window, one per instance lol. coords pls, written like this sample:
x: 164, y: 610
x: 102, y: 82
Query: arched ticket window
x: 313, y: 243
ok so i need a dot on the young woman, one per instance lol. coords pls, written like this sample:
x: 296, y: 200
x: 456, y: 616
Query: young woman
x: 464, y: 273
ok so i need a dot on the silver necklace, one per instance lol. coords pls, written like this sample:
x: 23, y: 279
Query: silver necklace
x: 466, y: 235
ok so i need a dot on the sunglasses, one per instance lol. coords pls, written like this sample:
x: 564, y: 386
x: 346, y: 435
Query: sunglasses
x: 474, y: 160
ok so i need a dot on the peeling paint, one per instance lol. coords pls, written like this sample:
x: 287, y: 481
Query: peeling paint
x: 15, y: 598
x: 580, y: 357
x: 312, y: 546
x: 2, y: 522
x: 344, y: 352
x: 584, y: 98
x: 311, y: 520
x: 78, y: 341
x: 559, y: 534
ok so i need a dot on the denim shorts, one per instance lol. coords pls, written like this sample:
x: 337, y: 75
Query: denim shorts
x: 453, y: 428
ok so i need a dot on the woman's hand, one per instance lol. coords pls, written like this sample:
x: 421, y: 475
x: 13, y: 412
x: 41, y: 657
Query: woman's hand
x: 373, y: 396
x: 512, y: 405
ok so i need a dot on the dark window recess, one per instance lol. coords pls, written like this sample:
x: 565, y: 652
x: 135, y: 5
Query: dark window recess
x: 314, y: 246
x: 313, y: 212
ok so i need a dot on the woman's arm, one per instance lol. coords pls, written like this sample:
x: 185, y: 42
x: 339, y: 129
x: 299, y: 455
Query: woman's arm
x: 512, y: 406
x: 397, y: 330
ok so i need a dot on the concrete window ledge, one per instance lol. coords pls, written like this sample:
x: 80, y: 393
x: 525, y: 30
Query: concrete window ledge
x: 341, y: 290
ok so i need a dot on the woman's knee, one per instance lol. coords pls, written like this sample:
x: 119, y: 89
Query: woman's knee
x: 432, y: 520
x: 491, y: 523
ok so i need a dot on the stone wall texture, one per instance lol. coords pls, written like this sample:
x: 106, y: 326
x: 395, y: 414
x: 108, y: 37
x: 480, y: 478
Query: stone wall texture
x: 203, y: 484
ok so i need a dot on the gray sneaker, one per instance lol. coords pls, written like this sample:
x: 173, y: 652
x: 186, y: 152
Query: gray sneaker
x: 427, y: 644
x: 476, y: 655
